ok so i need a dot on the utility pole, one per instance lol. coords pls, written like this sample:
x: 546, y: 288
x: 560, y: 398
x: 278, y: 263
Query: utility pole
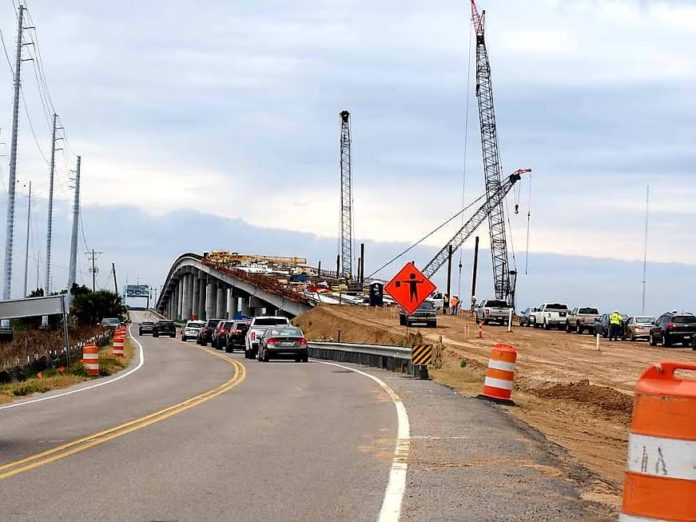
x: 72, y: 270
x: 26, y: 251
x: 9, y: 237
x: 49, y: 232
x: 473, y: 278
x: 113, y: 270
x: 94, y: 269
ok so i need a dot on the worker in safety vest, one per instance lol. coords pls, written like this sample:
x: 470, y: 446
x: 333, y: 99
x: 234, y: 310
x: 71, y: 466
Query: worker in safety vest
x: 454, y: 304
x: 615, y: 320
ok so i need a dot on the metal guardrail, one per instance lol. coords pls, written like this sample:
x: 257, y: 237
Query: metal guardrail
x: 393, y: 358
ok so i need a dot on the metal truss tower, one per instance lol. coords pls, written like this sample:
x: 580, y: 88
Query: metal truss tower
x: 504, y: 287
x: 346, y: 199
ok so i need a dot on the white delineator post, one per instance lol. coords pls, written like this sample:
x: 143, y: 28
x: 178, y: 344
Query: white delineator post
x: 597, y: 342
x: 510, y: 320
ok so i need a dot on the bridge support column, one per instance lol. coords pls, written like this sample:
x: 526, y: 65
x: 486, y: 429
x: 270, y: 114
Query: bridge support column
x: 220, y: 301
x: 231, y: 303
x: 210, y: 295
x: 244, y: 306
x: 195, y: 295
x: 180, y: 298
x: 187, y: 295
x: 201, y: 282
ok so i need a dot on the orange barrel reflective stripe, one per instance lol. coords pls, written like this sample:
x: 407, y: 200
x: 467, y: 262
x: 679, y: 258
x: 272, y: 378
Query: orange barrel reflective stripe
x: 660, y: 480
x: 119, y: 344
x: 90, y: 358
x: 500, y: 374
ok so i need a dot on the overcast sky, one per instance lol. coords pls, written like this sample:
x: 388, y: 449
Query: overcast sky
x: 231, y: 109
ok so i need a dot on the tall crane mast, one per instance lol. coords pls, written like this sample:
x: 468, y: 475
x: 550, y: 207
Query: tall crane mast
x: 473, y: 223
x: 346, y: 199
x: 503, y: 282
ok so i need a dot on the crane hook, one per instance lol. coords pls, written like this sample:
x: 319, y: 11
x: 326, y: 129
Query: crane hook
x: 517, y: 208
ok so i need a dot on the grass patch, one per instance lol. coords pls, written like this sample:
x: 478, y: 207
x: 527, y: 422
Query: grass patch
x: 54, y: 379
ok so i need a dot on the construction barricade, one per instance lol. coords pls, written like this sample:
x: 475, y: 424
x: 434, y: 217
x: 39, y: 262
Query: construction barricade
x: 660, y: 480
x: 90, y: 359
x: 500, y: 374
x: 119, y: 345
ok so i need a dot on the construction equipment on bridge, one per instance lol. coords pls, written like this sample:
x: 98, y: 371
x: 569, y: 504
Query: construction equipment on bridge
x: 236, y: 259
x: 346, y: 199
x: 473, y: 223
x: 504, y: 279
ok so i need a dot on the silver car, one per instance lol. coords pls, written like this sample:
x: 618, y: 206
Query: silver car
x: 639, y: 327
x: 191, y: 329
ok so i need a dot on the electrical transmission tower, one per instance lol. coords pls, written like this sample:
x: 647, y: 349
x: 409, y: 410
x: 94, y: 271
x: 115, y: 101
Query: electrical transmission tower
x: 346, y: 199
x: 49, y: 232
x: 9, y: 237
x: 504, y: 285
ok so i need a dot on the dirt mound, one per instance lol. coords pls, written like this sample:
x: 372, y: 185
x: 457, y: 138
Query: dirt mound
x: 582, y: 391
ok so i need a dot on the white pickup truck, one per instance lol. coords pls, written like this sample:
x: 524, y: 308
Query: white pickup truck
x: 256, y: 329
x: 550, y: 315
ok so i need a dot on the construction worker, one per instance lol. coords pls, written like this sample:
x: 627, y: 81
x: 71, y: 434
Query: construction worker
x: 454, y: 304
x: 615, y: 320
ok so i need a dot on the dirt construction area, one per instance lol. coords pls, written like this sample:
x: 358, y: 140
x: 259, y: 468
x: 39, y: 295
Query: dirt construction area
x: 578, y: 397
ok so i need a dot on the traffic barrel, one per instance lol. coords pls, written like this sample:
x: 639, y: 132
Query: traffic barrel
x: 480, y: 330
x: 90, y: 358
x: 660, y: 480
x: 500, y: 374
x: 119, y: 345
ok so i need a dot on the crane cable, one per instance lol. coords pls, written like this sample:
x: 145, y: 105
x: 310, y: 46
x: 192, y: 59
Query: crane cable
x: 428, y: 235
x: 529, y: 217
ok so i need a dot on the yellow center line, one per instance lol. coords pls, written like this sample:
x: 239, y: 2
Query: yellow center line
x: 81, y: 444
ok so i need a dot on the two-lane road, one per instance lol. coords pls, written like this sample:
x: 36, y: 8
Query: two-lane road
x: 189, y: 436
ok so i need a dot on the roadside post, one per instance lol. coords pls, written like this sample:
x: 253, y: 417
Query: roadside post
x: 597, y: 342
x: 510, y: 320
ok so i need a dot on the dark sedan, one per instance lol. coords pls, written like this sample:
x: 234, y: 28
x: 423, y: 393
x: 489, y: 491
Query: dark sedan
x: 206, y: 334
x: 283, y: 342
x: 164, y: 328
x: 235, y: 337
x: 146, y: 327
x: 672, y: 328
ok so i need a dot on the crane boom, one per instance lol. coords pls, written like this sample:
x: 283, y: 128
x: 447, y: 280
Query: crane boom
x: 491, y: 160
x: 473, y: 223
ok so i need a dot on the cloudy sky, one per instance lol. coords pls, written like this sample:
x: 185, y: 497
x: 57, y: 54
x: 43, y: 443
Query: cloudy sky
x: 228, y: 110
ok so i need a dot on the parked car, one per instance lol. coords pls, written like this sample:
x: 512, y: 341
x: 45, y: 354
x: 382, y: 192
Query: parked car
x: 671, y: 328
x: 581, y: 319
x: 206, y: 333
x: 164, y: 328
x: 492, y: 310
x: 550, y: 315
x: 424, y: 314
x: 256, y: 328
x: 146, y: 327
x: 527, y: 318
x: 603, y: 328
x: 283, y: 341
x: 638, y: 327
x: 217, y: 339
x: 191, y: 330
x: 235, y: 337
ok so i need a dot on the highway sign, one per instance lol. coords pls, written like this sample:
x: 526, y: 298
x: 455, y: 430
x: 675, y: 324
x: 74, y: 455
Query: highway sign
x: 137, y: 291
x: 410, y: 288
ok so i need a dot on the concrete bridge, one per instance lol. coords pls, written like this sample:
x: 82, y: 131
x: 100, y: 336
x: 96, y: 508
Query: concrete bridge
x: 197, y: 287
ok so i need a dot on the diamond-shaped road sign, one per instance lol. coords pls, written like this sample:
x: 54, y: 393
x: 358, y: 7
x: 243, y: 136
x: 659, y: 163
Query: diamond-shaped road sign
x: 410, y: 288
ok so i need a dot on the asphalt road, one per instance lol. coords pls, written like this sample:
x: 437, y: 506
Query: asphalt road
x: 189, y: 436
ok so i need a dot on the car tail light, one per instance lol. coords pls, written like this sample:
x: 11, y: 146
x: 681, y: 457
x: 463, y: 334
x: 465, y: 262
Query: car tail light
x: 671, y: 326
x: 253, y: 336
x: 272, y: 341
x: 303, y: 341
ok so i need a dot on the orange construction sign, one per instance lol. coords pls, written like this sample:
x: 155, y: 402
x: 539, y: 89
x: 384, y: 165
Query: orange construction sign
x: 410, y: 288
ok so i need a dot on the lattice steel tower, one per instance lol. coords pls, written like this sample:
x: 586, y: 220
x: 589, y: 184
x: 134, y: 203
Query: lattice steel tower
x: 346, y: 199
x: 504, y: 287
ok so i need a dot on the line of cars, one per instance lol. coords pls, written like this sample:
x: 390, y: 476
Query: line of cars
x: 667, y: 330
x: 262, y: 338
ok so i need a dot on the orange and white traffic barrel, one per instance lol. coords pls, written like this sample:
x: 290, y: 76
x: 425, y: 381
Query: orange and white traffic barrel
x: 500, y: 374
x: 480, y: 330
x: 90, y: 358
x: 660, y: 480
x: 119, y: 345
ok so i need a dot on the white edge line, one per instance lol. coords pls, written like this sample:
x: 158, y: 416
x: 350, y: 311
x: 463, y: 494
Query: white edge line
x: 396, y: 487
x: 141, y: 357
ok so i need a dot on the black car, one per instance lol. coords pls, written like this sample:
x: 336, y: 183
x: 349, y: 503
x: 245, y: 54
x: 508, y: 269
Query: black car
x: 283, y: 341
x: 673, y: 327
x: 164, y: 328
x: 526, y: 317
x: 603, y: 328
x: 235, y: 337
x: 206, y: 334
x: 146, y: 327
x: 424, y: 314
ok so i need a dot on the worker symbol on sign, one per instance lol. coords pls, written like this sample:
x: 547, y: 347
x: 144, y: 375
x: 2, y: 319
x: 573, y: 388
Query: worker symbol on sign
x: 412, y: 283
x: 410, y: 288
